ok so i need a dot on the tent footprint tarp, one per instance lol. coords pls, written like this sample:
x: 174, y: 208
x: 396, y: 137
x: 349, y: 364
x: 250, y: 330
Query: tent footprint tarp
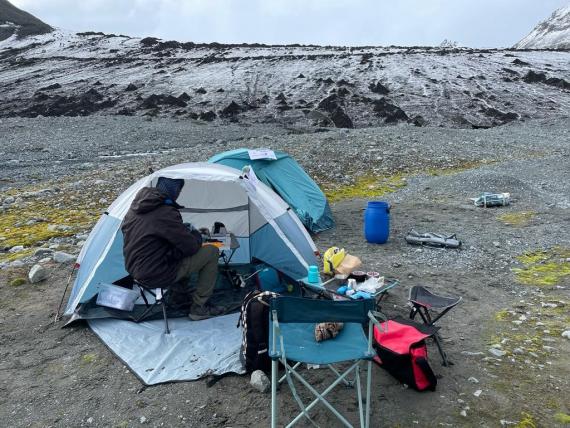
x: 192, y: 350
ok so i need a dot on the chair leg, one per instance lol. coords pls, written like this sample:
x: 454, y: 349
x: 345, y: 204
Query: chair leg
x: 368, y: 397
x: 359, y: 395
x: 166, y: 329
x: 274, y: 367
x: 413, y: 312
x: 320, y: 398
x: 437, y: 340
x: 436, y: 337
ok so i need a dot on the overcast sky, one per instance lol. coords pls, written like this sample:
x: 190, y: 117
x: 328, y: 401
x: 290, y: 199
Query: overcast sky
x: 475, y: 23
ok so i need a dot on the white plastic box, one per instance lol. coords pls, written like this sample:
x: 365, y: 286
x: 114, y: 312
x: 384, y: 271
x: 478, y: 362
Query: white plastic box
x: 113, y: 296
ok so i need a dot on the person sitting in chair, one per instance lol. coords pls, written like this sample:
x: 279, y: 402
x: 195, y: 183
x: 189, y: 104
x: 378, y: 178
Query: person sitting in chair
x: 161, y: 250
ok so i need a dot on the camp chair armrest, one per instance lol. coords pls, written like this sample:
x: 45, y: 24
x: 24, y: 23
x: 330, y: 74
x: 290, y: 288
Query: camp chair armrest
x: 276, y: 332
x: 374, y: 315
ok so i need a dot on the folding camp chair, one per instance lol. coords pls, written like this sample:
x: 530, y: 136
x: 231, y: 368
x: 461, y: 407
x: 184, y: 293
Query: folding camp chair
x: 292, y: 339
x: 160, y: 299
x: 422, y: 300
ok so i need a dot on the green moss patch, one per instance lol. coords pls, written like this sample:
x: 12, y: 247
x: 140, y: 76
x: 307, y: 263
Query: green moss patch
x: 544, y: 268
x: 16, y: 282
x: 456, y: 169
x: 88, y: 358
x: 527, y: 421
x: 518, y: 219
x: 39, y: 218
x: 371, y: 185
x: 563, y: 418
x: 368, y: 186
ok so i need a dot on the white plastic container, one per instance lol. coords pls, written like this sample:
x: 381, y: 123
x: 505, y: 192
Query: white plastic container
x: 113, y: 296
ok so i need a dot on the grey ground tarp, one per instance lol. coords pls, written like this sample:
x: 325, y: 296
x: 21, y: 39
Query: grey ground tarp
x: 192, y: 350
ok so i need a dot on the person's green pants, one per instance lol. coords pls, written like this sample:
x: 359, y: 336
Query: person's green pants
x: 205, y: 262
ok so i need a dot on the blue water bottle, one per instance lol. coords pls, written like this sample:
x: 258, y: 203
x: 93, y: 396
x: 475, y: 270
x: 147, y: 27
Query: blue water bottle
x: 377, y: 222
x: 313, y: 275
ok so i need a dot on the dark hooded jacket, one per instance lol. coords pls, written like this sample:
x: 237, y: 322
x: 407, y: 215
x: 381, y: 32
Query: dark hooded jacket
x: 155, y: 239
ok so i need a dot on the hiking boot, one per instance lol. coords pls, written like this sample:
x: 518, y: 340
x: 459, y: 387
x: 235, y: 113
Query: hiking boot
x: 203, y: 312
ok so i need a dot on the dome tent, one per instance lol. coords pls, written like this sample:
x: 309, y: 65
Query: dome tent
x: 262, y: 222
x: 289, y: 180
x: 267, y: 231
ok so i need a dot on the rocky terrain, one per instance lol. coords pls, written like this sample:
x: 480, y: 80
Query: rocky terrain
x: 552, y: 33
x: 81, y: 74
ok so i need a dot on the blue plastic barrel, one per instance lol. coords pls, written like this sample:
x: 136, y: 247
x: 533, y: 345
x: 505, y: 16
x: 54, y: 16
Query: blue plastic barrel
x: 377, y: 222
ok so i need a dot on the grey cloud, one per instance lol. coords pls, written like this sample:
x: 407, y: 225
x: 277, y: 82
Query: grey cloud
x: 482, y: 23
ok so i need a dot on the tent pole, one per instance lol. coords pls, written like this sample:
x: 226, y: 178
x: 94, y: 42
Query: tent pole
x: 64, y: 293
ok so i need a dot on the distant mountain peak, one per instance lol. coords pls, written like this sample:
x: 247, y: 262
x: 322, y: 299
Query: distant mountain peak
x: 16, y: 21
x: 552, y: 33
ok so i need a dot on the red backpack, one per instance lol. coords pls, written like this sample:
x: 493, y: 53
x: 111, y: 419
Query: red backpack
x: 402, y: 352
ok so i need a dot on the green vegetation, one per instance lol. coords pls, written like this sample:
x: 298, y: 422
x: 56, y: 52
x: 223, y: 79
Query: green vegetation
x: 37, y: 219
x: 521, y: 218
x: 16, y: 282
x: 544, y: 268
x: 372, y: 185
x: 527, y: 421
x: 562, y: 418
x: 88, y: 358
x: 368, y: 186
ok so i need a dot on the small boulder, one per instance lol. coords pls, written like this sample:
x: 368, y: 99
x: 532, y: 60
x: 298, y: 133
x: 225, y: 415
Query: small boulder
x: 131, y: 87
x: 260, y: 381
x: 61, y: 257
x: 519, y: 62
x: 207, y: 116
x: 534, y: 77
x: 184, y: 97
x: 341, y: 119
x: 419, y: 121
x: 37, y: 273
x: 390, y: 112
x: 43, y: 252
x: 497, y: 352
x: 16, y: 249
x: 232, y: 109
x: 50, y: 87
x: 329, y: 104
x: 379, y: 88
x: 566, y: 334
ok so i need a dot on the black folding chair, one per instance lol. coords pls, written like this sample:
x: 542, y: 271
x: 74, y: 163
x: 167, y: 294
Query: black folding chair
x: 159, y: 300
x: 422, y: 301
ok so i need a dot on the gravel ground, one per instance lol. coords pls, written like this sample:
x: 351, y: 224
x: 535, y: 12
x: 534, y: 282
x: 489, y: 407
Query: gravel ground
x: 66, y: 377
x: 72, y: 145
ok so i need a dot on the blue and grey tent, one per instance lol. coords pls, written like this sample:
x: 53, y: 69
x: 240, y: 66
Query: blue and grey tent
x: 267, y: 232
x: 286, y: 177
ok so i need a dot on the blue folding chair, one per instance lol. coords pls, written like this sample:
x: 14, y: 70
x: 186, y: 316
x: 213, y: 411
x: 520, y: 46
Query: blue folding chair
x: 292, y: 339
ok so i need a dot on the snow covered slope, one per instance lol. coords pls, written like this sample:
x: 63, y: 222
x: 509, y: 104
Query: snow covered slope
x: 553, y: 33
x: 78, y: 74
x: 14, y: 21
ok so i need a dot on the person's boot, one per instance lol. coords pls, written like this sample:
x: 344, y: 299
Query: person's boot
x: 203, y: 312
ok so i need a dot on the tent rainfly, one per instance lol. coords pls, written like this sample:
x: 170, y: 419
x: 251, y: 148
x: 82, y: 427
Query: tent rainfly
x: 288, y: 179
